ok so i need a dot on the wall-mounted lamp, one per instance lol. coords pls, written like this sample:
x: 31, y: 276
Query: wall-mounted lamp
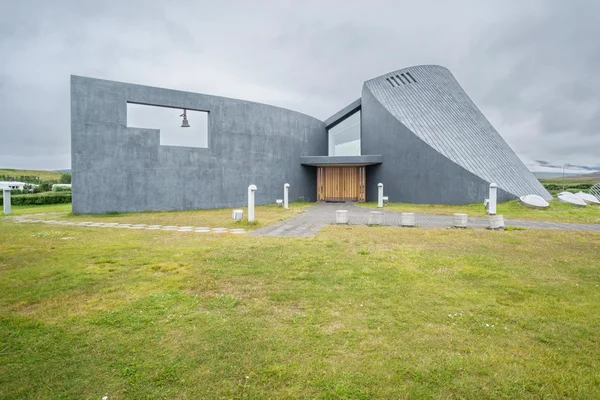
x: 185, y: 123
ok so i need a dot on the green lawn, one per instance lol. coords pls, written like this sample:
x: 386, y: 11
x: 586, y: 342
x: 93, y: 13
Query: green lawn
x: 557, y: 212
x: 47, y: 208
x: 215, y: 218
x: 355, y: 313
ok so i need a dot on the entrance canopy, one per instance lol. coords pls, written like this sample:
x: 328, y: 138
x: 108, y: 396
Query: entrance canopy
x: 338, y: 161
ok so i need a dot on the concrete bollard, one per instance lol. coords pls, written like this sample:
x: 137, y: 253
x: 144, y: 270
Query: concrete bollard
x: 238, y: 215
x: 341, y: 217
x: 407, y: 219
x: 375, y: 218
x: 380, y: 195
x: 286, y: 189
x: 496, y: 222
x: 6, y: 199
x: 460, y: 220
x: 492, y: 198
x: 251, y: 190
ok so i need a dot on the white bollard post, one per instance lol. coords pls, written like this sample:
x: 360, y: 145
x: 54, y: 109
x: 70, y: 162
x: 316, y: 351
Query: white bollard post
x: 492, y: 199
x: 380, y: 195
x: 286, y: 188
x: 6, y: 197
x: 251, y: 190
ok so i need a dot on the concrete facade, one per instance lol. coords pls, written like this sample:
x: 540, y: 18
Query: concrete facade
x: 420, y: 134
x: 116, y: 168
x: 437, y: 145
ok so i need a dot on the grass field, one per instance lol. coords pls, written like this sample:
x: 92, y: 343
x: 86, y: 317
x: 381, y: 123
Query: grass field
x: 216, y: 218
x: 34, y: 209
x: 355, y: 313
x: 557, y: 212
x: 43, y: 175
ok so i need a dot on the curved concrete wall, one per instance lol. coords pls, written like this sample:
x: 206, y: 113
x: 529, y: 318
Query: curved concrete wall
x: 436, y: 144
x: 116, y: 168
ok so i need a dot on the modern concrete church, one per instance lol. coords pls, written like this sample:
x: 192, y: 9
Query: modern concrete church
x: 415, y: 130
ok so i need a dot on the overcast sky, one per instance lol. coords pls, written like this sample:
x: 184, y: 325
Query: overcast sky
x: 533, y: 67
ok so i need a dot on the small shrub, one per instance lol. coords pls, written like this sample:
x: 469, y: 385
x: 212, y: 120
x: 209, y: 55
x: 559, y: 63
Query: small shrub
x: 65, y: 178
x: 513, y: 228
x: 39, y: 199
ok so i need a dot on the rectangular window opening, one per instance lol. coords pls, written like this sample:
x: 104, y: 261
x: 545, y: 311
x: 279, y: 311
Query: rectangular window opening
x: 344, y: 138
x: 390, y: 82
x: 169, y: 121
x: 401, y: 80
x: 411, y: 77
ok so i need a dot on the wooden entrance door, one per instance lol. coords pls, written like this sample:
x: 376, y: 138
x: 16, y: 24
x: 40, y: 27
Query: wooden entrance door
x: 341, y: 183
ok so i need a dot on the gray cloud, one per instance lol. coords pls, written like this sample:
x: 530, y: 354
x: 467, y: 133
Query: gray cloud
x: 541, y: 65
x: 528, y: 64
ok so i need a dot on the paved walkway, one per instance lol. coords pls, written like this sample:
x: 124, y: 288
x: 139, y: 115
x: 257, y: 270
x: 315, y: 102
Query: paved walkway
x: 315, y: 218
x: 31, y: 219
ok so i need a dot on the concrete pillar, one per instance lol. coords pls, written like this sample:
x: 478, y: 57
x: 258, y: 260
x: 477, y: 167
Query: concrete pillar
x: 251, y: 190
x: 496, y: 222
x: 375, y: 218
x: 460, y: 220
x: 6, y: 197
x: 341, y: 216
x: 407, y: 219
x: 493, y: 198
x: 380, y: 195
x: 286, y: 188
x: 237, y: 215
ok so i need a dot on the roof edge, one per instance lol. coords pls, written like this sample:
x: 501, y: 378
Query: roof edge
x: 343, y: 113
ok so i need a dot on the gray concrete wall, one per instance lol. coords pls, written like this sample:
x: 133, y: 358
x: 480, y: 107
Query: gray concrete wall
x: 116, y: 168
x: 412, y: 171
x: 435, y: 109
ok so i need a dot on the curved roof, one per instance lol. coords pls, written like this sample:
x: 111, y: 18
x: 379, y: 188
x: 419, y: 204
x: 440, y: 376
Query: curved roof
x: 430, y: 102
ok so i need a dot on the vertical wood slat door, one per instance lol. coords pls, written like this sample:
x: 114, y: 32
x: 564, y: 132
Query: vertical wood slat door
x: 340, y: 183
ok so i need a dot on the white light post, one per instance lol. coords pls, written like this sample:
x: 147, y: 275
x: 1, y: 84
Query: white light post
x: 563, y: 179
x: 380, y: 195
x: 493, y: 198
x: 6, y: 197
x: 251, y: 190
x: 286, y: 188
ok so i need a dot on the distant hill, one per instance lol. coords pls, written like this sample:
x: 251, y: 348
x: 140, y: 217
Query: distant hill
x: 43, y: 175
x: 593, y: 177
x: 548, y: 175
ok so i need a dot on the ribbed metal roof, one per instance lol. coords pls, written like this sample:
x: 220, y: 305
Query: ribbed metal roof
x: 435, y: 107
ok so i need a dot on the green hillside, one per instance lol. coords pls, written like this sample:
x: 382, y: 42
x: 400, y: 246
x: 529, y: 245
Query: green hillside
x: 21, y: 174
x: 571, y: 183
